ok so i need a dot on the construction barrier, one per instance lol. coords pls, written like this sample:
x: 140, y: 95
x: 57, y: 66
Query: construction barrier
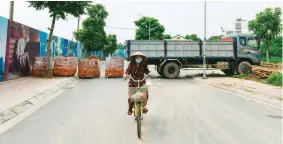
x: 89, y: 68
x: 40, y: 66
x: 65, y: 66
x: 114, y: 68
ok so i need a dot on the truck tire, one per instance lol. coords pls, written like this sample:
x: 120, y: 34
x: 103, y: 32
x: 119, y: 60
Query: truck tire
x: 171, y: 70
x: 244, y: 67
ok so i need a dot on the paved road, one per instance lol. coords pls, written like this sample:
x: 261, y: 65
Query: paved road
x: 182, y: 111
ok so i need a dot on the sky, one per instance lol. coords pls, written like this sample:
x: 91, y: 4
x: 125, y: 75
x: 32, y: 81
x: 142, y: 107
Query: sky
x: 178, y: 17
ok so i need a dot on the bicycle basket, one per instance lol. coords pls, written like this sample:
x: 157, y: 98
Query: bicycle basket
x: 138, y: 94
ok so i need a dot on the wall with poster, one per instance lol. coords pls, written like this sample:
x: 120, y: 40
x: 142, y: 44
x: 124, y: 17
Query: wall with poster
x: 20, y: 44
x: 3, y: 41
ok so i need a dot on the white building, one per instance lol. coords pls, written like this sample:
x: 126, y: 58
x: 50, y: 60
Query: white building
x: 240, y: 26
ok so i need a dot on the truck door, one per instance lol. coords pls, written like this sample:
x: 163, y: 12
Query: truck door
x: 248, y: 47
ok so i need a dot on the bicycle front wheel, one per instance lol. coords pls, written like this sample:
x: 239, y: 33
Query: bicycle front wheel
x: 139, y: 120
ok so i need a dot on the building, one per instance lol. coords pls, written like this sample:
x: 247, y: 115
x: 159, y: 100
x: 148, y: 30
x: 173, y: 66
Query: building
x: 178, y: 37
x: 229, y: 32
x: 240, y: 26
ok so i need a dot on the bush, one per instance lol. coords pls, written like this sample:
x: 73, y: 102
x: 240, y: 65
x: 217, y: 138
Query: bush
x: 272, y: 59
x: 275, y: 48
x: 275, y: 79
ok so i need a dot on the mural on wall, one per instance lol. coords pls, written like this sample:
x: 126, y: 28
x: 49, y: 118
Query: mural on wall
x: 71, y: 49
x: 55, y: 47
x: 43, y: 38
x: 24, y: 46
x: 20, y: 44
x: 119, y: 53
x: 64, y: 45
x: 3, y: 41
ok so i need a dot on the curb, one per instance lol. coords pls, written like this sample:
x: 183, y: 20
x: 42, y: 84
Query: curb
x: 242, y: 95
x: 23, y: 106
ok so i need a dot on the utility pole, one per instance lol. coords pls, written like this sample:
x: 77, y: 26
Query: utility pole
x: 78, y: 27
x: 11, y: 14
x: 204, y: 44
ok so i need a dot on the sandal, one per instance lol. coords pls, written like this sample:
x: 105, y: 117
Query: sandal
x: 130, y: 112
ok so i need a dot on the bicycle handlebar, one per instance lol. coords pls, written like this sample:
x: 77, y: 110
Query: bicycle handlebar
x: 138, y: 81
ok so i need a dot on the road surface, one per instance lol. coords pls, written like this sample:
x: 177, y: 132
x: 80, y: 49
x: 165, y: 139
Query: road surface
x: 181, y: 111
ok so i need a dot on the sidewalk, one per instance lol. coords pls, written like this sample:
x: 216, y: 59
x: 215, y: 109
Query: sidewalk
x: 259, y: 91
x: 17, y: 95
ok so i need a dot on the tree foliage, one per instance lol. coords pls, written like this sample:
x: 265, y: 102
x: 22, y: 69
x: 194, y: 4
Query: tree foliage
x: 121, y: 46
x: 92, y: 34
x: 167, y: 36
x: 58, y: 10
x: 267, y: 25
x: 215, y: 38
x: 111, y: 44
x: 192, y: 37
x: 146, y: 23
x: 275, y: 47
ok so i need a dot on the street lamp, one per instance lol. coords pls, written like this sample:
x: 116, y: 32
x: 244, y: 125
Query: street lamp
x: 148, y: 27
x: 204, y: 44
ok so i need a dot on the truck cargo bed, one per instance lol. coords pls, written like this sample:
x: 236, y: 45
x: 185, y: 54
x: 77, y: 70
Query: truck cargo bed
x: 181, y: 49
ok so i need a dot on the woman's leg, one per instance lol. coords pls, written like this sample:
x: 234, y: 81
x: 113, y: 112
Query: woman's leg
x: 145, y: 110
x: 130, y: 108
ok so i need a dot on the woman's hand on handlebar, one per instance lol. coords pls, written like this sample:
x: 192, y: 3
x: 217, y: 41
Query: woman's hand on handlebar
x: 149, y: 75
x: 126, y: 77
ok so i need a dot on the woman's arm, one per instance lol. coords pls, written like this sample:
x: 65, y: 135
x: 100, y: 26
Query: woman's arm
x: 129, y: 69
x: 147, y: 70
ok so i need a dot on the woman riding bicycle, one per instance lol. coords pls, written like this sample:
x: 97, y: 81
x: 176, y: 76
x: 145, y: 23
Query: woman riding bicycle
x: 137, y: 69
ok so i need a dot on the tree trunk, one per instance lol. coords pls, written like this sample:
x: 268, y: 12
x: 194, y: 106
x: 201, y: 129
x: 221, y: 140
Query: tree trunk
x: 49, y: 66
x: 267, y: 51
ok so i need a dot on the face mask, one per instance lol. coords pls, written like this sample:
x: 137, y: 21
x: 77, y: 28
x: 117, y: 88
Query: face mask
x: 138, y: 60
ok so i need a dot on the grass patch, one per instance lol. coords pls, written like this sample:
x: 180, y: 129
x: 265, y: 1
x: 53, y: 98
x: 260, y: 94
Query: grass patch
x: 275, y: 79
x: 273, y: 59
x: 241, y: 76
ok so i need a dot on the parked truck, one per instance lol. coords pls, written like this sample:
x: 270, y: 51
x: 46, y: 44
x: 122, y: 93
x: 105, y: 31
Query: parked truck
x: 239, y: 51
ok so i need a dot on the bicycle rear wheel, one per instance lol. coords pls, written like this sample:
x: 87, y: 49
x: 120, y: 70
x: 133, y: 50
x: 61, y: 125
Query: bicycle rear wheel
x: 138, y: 116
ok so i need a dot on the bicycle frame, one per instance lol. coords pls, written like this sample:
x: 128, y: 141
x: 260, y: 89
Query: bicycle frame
x: 138, y: 105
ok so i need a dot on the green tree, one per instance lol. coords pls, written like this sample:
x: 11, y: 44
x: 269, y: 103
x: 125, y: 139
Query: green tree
x: 121, y: 46
x: 111, y: 44
x: 215, y: 38
x: 275, y: 51
x: 167, y: 36
x: 192, y: 37
x: 146, y: 24
x: 58, y: 10
x: 266, y: 26
x: 92, y: 34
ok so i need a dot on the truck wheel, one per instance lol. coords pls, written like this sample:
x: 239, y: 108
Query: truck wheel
x: 244, y: 67
x: 171, y: 70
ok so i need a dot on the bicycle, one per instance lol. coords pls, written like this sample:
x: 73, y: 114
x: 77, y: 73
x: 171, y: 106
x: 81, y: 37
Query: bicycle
x: 137, y: 96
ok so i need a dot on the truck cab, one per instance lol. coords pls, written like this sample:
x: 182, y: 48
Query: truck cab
x: 247, y: 47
